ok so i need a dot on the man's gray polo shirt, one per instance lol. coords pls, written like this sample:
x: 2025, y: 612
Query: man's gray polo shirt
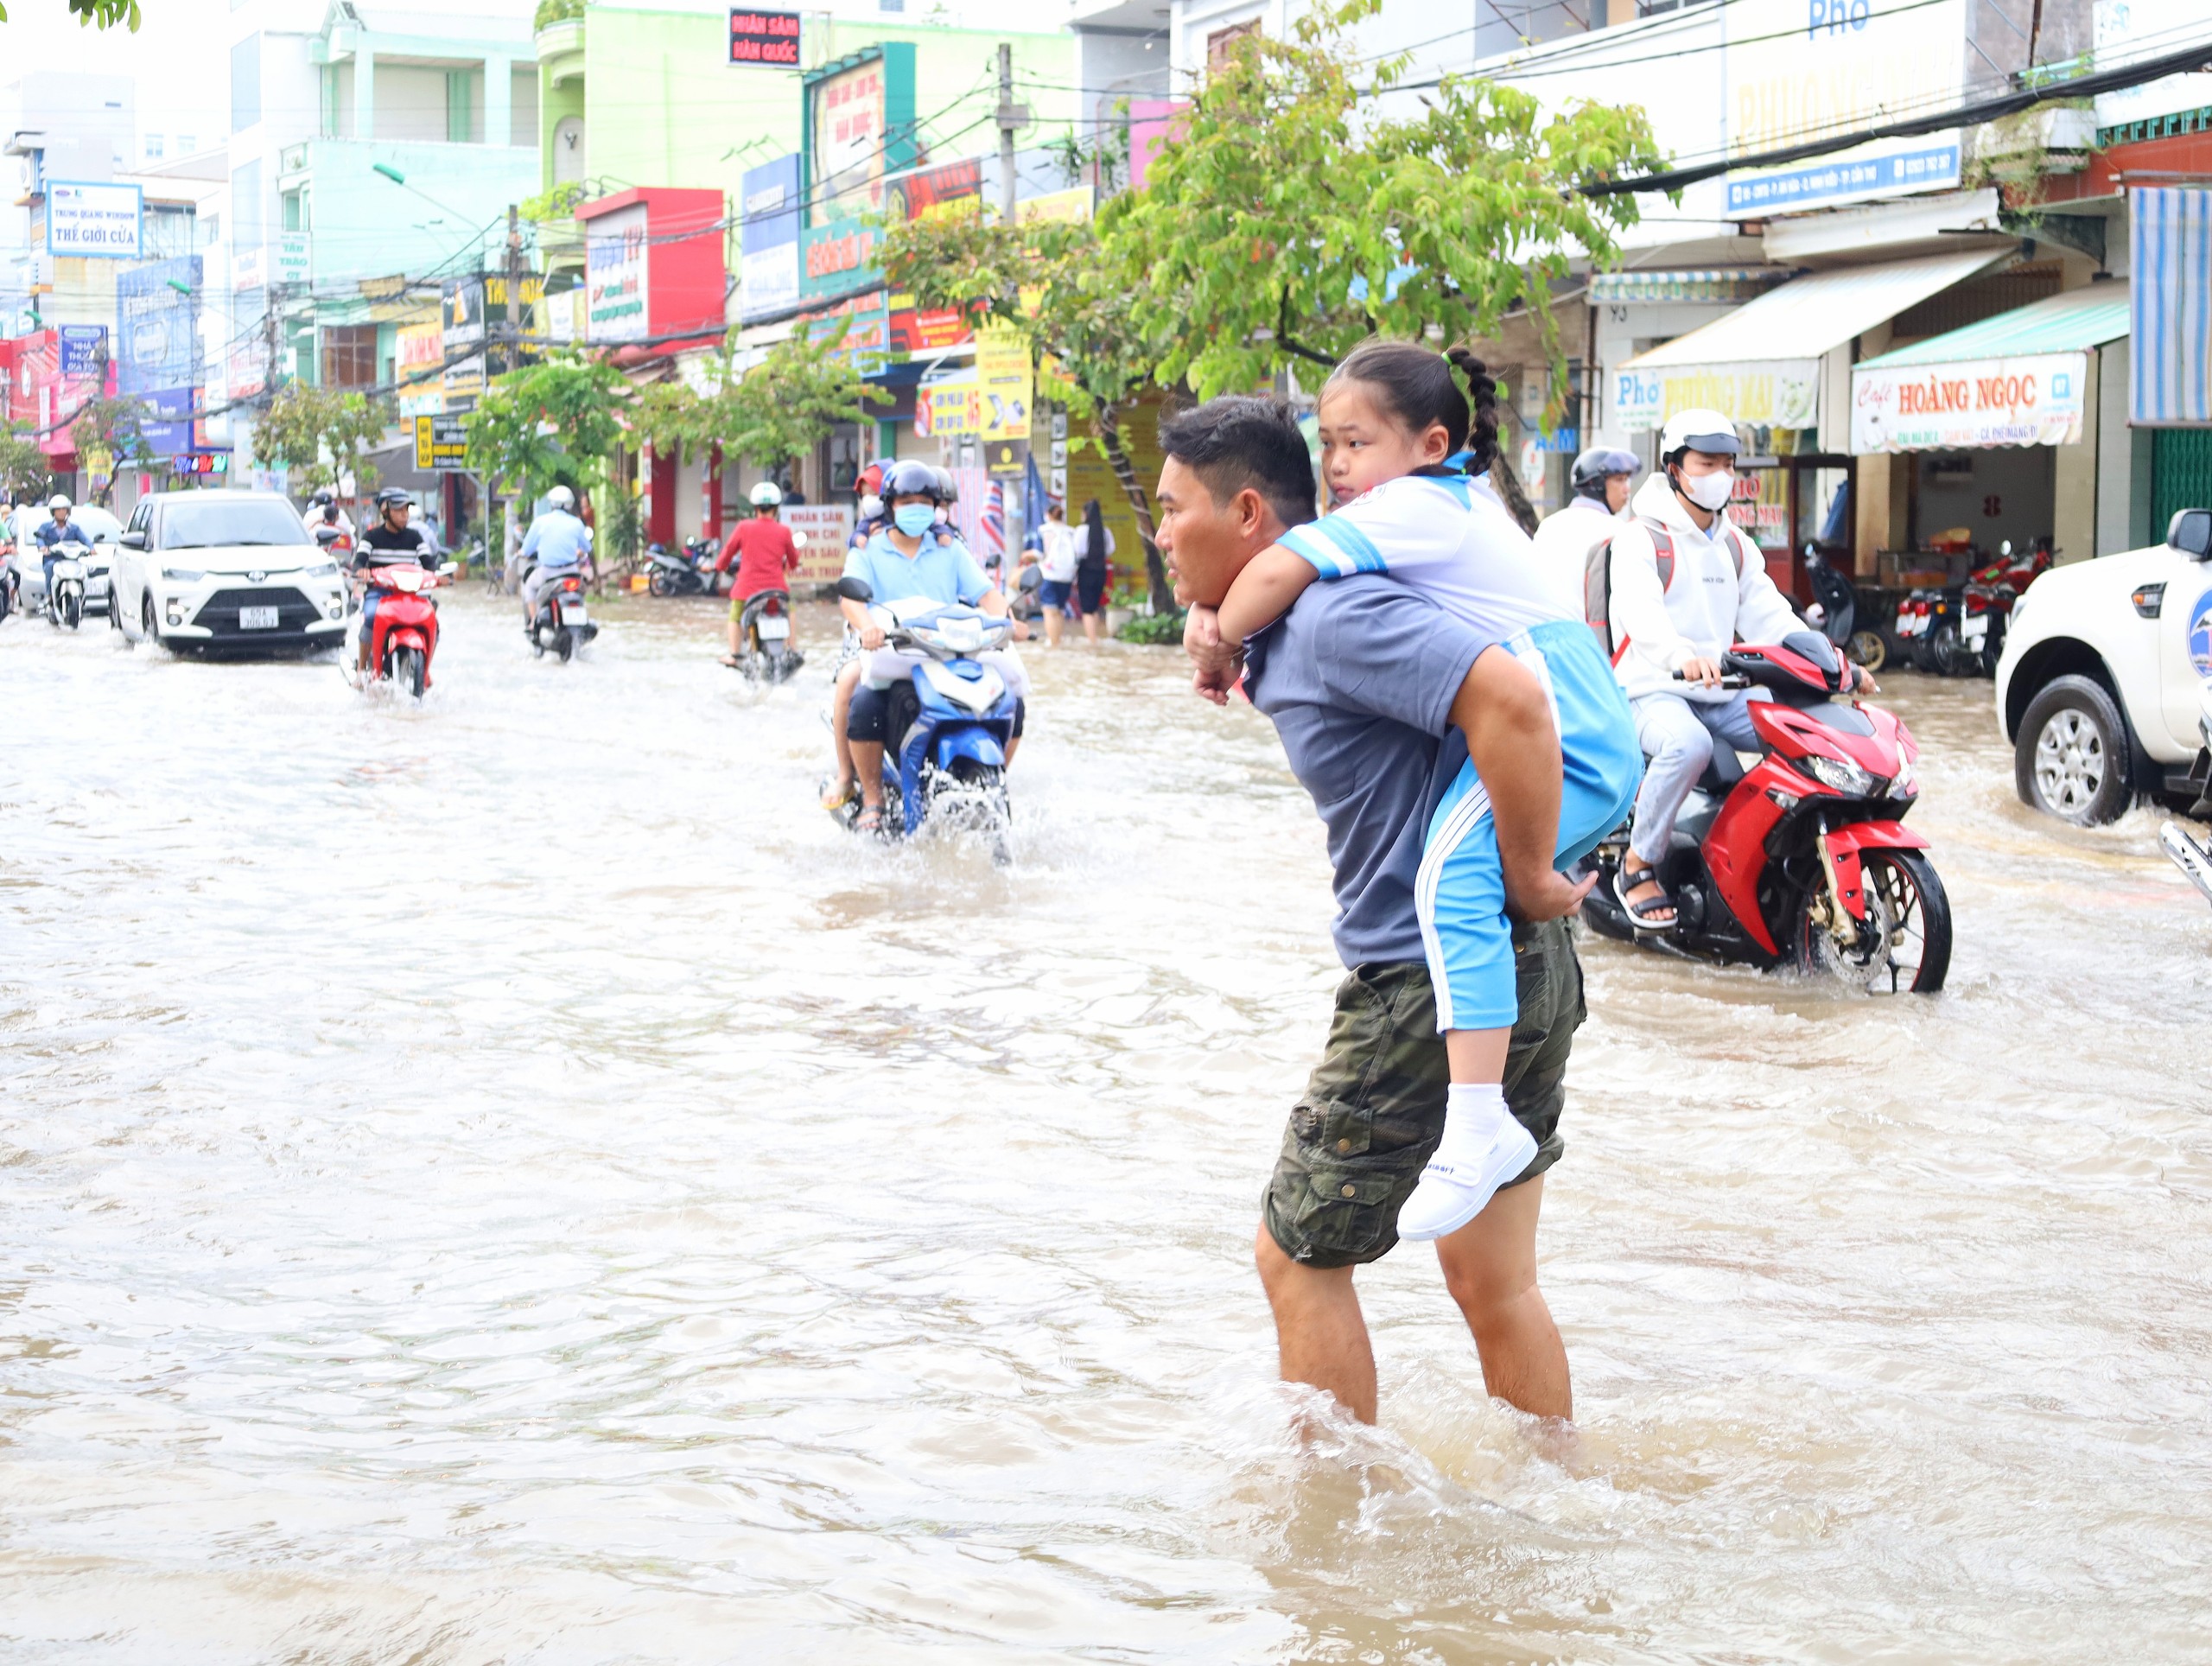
x: 1358, y: 678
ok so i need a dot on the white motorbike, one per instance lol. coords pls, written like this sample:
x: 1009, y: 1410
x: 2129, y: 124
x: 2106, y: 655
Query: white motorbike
x: 2189, y: 853
x: 65, y: 592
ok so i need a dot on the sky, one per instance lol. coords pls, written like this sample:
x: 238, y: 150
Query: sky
x: 177, y: 59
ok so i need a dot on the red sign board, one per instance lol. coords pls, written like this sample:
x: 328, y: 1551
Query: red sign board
x: 763, y: 37
x: 925, y: 330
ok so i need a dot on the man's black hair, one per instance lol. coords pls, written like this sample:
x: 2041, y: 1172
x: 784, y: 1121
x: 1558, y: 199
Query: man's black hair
x: 1241, y: 439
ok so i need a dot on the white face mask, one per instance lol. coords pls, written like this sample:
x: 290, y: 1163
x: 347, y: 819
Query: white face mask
x: 1709, y: 491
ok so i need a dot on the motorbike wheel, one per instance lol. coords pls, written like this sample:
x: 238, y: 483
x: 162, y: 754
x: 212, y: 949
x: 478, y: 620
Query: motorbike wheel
x: 1866, y: 648
x: 565, y: 643
x: 1906, y: 946
x: 408, y: 671
x: 657, y: 582
x: 981, y: 788
x: 73, y: 609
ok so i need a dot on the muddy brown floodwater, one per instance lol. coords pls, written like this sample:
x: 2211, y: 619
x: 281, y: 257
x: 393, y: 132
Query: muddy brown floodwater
x: 509, y: 1181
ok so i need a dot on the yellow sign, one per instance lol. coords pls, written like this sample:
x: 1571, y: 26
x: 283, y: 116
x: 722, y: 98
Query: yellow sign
x: 942, y: 409
x: 1002, y: 372
x: 441, y: 443
x: 1055, y: 205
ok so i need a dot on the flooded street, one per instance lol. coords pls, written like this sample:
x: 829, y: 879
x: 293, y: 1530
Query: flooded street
x: 511, y: 1182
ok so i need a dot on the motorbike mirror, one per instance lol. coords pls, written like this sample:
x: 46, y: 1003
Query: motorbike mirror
x: 1032, y: 577
x: 855, y: 589
x: 2190, y: 532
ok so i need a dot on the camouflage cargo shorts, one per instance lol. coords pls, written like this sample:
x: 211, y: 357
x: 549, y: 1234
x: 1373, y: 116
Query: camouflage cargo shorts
x: 1373, y: 1109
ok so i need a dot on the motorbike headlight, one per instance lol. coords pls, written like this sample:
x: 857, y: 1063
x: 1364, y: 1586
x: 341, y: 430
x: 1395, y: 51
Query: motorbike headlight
x: 182, y: 574
x: 1845, y: 777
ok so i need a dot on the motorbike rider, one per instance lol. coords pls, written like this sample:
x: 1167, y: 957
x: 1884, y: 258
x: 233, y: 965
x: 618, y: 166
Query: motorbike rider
x: 323, y: 510
x: 914, y: 556
x: 558, y: 543
x: 1601, y: 478
x: 392, y: 541
x: 52, y: 535
x: 1718, y: 594
x: 766, y: 556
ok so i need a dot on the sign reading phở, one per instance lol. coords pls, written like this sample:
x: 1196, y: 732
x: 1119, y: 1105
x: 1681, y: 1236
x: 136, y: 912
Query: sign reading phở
x: 2033, y: 400
x: 763, y: 37
x: 1761, y: 393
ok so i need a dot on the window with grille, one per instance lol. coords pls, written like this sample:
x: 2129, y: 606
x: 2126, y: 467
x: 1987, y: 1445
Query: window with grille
x: 2181, y: 473
x: 349, y: 356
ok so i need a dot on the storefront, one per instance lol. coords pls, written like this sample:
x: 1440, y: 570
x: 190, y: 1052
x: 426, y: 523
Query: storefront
x: 1780, y: 365
x: 2009, y: 428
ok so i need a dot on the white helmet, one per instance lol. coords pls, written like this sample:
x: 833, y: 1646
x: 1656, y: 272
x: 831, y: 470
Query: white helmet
x: 766, y: 495
x: 1698, y: 430
x: 561, y: 497
x: 59, y: 501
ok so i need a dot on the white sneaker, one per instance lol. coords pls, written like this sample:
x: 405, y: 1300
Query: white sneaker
x: 1460, y: 1182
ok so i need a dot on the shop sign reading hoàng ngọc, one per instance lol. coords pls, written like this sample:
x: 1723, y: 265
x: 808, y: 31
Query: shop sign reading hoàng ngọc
x: 2032, y: 400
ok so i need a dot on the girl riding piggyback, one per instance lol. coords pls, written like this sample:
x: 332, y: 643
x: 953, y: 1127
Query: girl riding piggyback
x: 1390, y: 413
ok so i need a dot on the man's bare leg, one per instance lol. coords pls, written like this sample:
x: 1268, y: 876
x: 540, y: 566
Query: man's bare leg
x: 1320, y: 1334
x: 1054, y: 619
x: 1490, y: 1268
x: 840, y: 703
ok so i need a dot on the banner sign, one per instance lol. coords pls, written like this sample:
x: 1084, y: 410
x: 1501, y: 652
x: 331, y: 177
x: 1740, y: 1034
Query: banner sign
x: 949, y: 409
x: 1002, y: 372
x: 441, y: 444
x: 1761, y: 393
x: 157, y: 326
x: 2032, y: 400
x: 837, y: 259
x: 419, y: 358
x: 849, y: 136
x: 769, y: 240
x: 763, y: 37
x: 952, y: 190
x: 615, y: 255
x: 101, y: 221
x: 827, y: 527
x: 292, y: 257
x: 1802, y: 70
x: 84, y: 349
x: 924, y: 331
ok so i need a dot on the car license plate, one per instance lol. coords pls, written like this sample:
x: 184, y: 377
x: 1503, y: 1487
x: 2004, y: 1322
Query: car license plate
x: 256, y: 619
x: 572, y: 613
x: 775, y: 630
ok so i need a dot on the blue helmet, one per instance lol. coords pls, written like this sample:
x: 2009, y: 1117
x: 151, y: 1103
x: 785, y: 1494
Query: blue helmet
x: 912, y: 478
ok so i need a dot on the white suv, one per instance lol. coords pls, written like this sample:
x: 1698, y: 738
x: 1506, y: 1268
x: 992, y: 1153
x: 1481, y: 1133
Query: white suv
x: 2102, y: 677
x: 227, y: 569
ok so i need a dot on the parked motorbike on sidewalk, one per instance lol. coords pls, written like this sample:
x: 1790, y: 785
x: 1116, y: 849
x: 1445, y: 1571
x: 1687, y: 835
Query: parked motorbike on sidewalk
x: 949, y: 720
x: 563, y: 621
x: 404, y: 637
x: 764, y: 631
x: 1837, y: 599
x: 686, y: 572
x: 1801, y: 861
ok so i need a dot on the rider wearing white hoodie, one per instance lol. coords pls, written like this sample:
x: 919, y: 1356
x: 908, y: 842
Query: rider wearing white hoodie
x: 1716, y: 594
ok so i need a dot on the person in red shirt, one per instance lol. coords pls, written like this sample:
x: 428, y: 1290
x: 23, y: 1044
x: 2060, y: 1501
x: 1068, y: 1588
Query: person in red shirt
x: 766, y: 554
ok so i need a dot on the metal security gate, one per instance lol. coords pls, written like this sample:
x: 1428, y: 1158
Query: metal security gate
x: 2181, y: 473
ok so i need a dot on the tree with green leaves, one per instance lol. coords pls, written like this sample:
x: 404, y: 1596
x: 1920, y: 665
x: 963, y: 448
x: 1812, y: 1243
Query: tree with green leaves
x: 99, y: 14
x: 117, y: 427
x: 558, y: 422
x: 1288, y: 220
x: 1057, y: 285
x: 783, y: 407
x: 26, y: 472
x: 320, y: 434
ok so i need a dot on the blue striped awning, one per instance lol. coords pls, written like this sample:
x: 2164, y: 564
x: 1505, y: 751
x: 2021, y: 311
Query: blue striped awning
x: 2170, y: 289
x: 1704, y: 284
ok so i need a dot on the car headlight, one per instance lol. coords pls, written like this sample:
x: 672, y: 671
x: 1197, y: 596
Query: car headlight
x: 1846, y: 778
x: 181, y: 574
x: 328, y: 570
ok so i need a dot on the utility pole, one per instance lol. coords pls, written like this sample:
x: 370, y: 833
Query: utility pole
x: 514, y: 288
x: 1011, y: 118
x: 272, y: 320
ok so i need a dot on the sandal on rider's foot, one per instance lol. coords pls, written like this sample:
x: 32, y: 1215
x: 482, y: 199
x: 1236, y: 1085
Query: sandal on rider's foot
x: 870, y: 819
x: 836, y: 795
x: 1644, y: 916
x: 732, y: 661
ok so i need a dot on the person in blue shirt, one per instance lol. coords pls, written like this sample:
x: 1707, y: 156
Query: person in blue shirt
x: 913, y: 556
x: 558, y: 542
x: 52, y: 535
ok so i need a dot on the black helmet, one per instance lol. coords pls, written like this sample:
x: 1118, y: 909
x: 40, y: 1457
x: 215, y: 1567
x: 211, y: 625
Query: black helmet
x: 323, y: 494
x: 392, y: 494
x: 912, y: 478
x: 1593, y: 466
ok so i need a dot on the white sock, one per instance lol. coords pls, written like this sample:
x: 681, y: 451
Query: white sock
x: 1474, y: 1116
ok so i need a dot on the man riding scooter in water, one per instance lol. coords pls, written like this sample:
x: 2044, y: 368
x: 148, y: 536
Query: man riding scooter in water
x: 392, y: 541
x: 57, y: 532
x: 558, y: 543
x: 1685, y: 586
x: 766, y: 556
x: 913, y: 557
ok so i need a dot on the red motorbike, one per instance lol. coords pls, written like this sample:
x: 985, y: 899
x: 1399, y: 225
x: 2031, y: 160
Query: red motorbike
x: 405, y: 628
x: 1803, y: 860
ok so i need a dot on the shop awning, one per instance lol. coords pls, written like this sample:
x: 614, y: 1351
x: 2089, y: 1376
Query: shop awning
x: 2018, y: 378
x: 1694, y: 283
x: 2169, y: 246
x: 1761, y: 363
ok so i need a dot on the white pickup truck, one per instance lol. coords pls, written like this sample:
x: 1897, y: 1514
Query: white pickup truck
x: 2099, y: 687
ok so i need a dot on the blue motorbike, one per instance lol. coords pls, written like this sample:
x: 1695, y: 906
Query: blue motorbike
x: 950, y: 718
